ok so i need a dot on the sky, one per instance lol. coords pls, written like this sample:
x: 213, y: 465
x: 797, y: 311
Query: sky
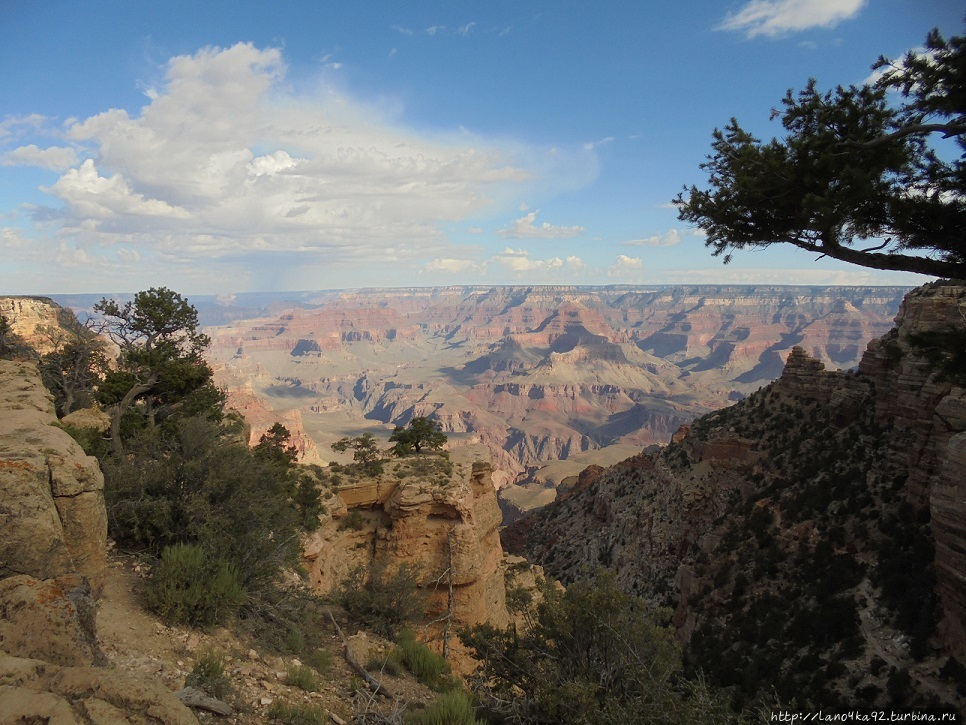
x: 219, y: 147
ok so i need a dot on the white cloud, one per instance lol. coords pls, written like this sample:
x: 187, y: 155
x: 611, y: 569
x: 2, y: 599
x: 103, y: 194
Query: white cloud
x: 525, y: 228
x: 775, y: 18
x: 465, y: 29
x: 226, y: 161
x: 450, y: 265
x: 625, y: 266
x: 92, y: 196
x: 575, y: 263
x: 591, y: 145
x: 402, y: 30
x: 671, y: 238
x: 15, y: 126
x: 55, y: 158
x: 434, y: 29
x: 518, y: 261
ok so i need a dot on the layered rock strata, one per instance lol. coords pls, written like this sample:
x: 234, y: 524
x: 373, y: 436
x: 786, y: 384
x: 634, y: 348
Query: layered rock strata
x: 446, y: 528
x: 825, y: 494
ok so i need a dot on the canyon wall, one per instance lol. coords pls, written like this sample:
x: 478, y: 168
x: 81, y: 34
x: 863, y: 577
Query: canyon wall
x: 536, y: 374
x: 827, y: 508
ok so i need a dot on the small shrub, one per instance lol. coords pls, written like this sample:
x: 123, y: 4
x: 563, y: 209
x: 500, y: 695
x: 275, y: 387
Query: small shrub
x: 390, y: 664
x: 352, y: 521
x: 187, y: 588
x: 452, y: 708
x: 294, y: 641
x: 208, y: 674
x: 381, y: 600
x: 289, y: 713
x: 320, y: 660
x: 428, y: 667
x: 303, y: 678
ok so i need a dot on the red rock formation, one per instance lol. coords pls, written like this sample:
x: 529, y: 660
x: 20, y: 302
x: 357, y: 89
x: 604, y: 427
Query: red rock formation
x: 434, y: 528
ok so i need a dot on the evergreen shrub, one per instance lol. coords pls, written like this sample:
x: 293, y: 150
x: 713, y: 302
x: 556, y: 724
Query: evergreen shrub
x: 188, y: 588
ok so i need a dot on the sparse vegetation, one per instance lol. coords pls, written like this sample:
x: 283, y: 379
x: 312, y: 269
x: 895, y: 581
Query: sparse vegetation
x: 382, y: 600
x: 451, y: 708
x: 428, y: 667
x: 289, y: 713
x: 589, y: 654
x: 303, y: 677
x: 208, y: 674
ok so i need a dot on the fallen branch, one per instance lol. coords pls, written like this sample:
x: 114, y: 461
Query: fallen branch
x: 371, y: 681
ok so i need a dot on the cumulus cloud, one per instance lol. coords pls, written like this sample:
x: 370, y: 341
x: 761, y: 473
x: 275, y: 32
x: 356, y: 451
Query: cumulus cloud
x: 625, y: 266
x: 526, y: 228
x: 54, y: 158
x: 519, y: 261
x: 776, y: 18
x: 225, y: 161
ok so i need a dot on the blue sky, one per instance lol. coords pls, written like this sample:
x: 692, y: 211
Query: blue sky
x: 223, y: 147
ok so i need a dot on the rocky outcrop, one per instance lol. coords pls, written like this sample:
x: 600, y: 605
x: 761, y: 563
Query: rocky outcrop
x: 37, y: 321
x: 850, y: 481
x: 52, y: 513
x: 53, y: 565
x: 36, y: 691
x: 445, y: 526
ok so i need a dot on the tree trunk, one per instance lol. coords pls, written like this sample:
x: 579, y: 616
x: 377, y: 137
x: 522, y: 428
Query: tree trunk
x: 119, y: 409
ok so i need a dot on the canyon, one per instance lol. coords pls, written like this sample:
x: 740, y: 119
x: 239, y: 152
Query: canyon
x: 547, y: 379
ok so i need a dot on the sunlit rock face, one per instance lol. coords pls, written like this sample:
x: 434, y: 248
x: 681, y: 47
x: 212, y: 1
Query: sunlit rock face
x: 445, y: 527
x: 54, y: 521
x: 35, y: 320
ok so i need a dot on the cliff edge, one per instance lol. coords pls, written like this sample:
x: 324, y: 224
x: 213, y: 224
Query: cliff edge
x: 812, y: 537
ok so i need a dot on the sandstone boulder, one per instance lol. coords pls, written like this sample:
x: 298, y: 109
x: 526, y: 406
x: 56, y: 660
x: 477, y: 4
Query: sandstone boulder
x: 52, y: 513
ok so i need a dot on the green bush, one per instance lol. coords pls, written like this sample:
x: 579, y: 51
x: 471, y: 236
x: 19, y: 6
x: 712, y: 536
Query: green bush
x: 303, y: 678
x: 381, y: 600
x: 193, y: 481
x: 188, y: 588
x: 320, y: 660
x: 428, y: 667
x: 390, y: 664
x: 291, y: 714
x: 590, y: 654
x: 209, y: 675
x: 352, y: 521
x: 452, y: 708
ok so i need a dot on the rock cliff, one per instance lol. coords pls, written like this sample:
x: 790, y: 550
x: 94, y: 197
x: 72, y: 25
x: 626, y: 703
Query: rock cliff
x: 53, y: 515
x: 53, y: 565
x: 442, y: 523
x: 815, y: 527
x: 37, y: 321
